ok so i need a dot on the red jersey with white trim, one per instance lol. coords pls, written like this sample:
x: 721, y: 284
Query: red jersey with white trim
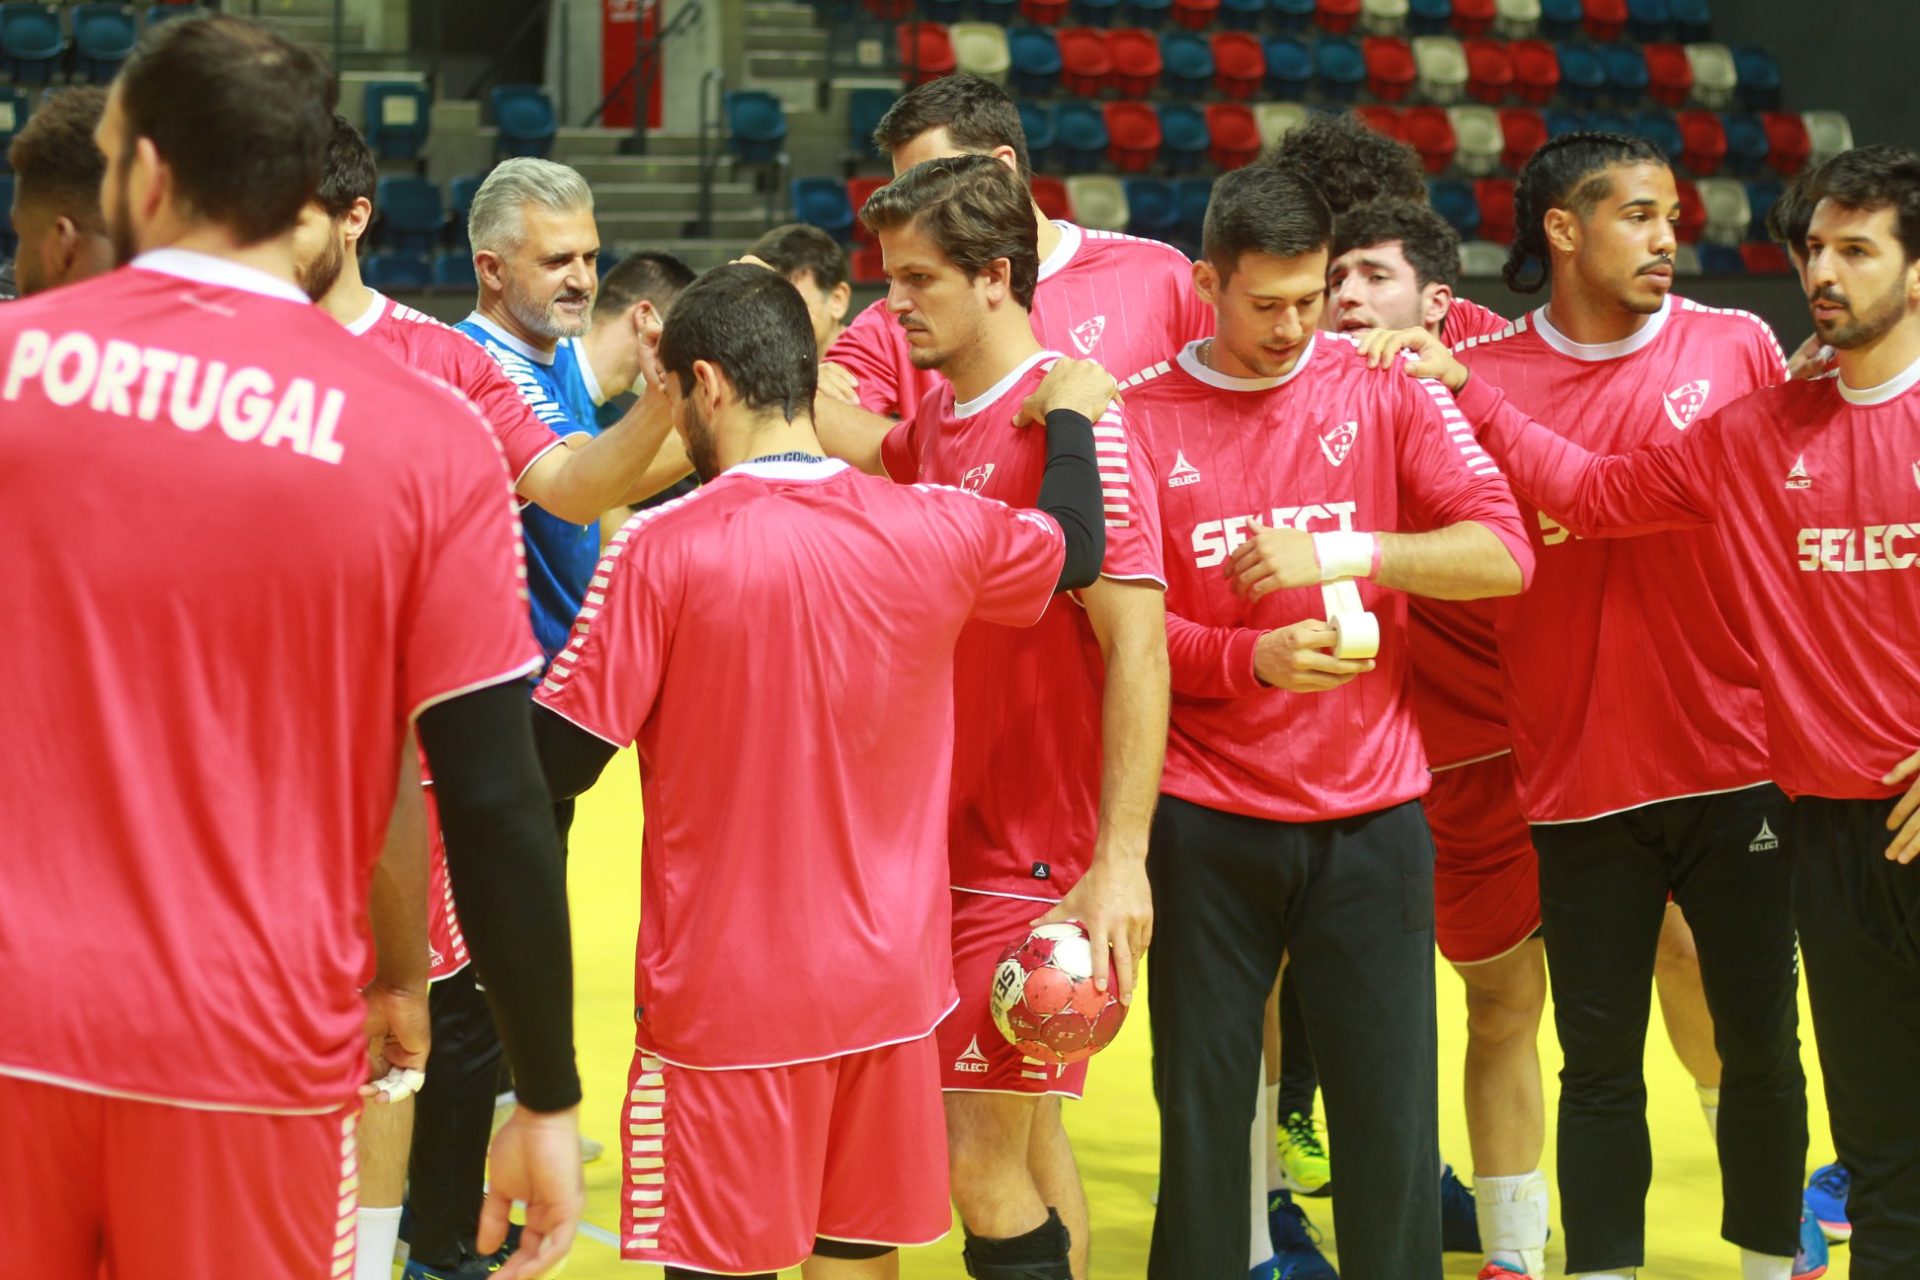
x: 1466, y: 318
x: 1814, y: 491
x: 1628, y: 674
x: 440, y: 351
x: 1025, y: 805
x: 1117, y: 300
x: 1330, y: 446
x: 780, y: 645
x: 277, y: 552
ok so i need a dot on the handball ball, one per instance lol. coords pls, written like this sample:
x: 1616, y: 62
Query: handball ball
x: 1044, y: 1001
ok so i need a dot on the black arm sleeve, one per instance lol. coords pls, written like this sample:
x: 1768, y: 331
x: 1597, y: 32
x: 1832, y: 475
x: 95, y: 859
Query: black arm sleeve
x: 570, y: 757
x: 509, y: 884
x: 1070, y: 493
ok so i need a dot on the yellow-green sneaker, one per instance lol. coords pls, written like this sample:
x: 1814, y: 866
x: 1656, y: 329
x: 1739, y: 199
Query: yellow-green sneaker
x: 1303, y: 1156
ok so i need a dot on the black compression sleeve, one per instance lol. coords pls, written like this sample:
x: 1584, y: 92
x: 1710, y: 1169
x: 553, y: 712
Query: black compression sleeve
x: 1070, y: 493
x: 570, y: 757
x: 509, y: 884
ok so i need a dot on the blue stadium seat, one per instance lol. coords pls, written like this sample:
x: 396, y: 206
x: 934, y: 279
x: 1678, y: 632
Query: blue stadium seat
x: 1692, y: 20
x: 411, y: 214
x: 13, y: 118
x: 1187, y: 59
x: 1761, y: 197
x: 1242, y: 15
x: 1153, y: 208
x: 1095, y: 13
x: 1608, y: 122
x: 1561, y: 122
x: 1648, y: 20
x: 1454, y: 200
x: 1759, y: 78
x: 1035, y: 57
x: 1583, y: 74
x: 1659, y: 128
x: 1081, y: 135
x: 1722, y: 260
x: 460, y: 193
x: 1036, y: 121
x: 1341, y: 68
x: 1193, y: 194
x: 1747, y: 145
x: 523, y: 113
x: 398, y: 113
x: 756, y: 124
x: 1183, y: 136
x: 393, y: 271
x: 1289, y: 67
x: 1429, y: 17
x: 823, y: 203
x: 1560, y: 19
x: 865, y: 107
x: 31, y: 42
x: 453, y: 270
x: 103, y: 36
x: 1626, y: 75
x: 1150, y: 14
x: 1293, y: 16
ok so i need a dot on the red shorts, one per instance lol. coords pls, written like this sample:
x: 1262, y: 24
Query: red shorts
x: 974, y: 1056
x: 446, y: 946
x: 739, y: 1171
x: 1486, y: 876
x: 126, y: 1190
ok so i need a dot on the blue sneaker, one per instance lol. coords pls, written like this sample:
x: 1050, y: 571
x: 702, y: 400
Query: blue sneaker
x: 1268, y: 1270
x: 1296, y: 1242
x: 1811, y: 1260
x: 1459, y: 1222
x: 1827, y: 1201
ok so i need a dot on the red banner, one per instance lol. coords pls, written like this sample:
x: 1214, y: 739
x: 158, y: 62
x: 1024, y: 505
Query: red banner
x: 617, y: 41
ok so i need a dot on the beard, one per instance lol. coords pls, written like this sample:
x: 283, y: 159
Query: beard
x: 323, y: 272
x: 702, y: 449
x: 545, y: 318
x: 1861, y: 327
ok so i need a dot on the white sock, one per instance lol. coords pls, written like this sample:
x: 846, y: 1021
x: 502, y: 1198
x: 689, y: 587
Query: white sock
x: 1513, y: 1220
x: 1259, y: 1243
x: 376, y: 1235
x: 1710, y: 1104
x: 1275, y: 1179
x: 1764, y: 1266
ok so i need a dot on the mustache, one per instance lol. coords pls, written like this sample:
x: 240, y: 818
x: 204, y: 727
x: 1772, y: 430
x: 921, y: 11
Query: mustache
x: 1663, y: 262
x: 1830, y: 294
x: 570, y: 297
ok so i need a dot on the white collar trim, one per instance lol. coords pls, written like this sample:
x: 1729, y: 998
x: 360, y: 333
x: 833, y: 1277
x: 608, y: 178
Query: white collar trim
x: 1000, y: 388
x: 1593, y: 351
x: 1189, y: 359
x: 1070, y: 238
x: 371, y: 316
x: 598, y: 396
x: 1898, y: 385
x: 510, y: 342
x: 821, y: 470
x: 205, y: 268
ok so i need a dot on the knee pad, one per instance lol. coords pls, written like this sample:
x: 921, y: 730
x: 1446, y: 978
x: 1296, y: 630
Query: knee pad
x: 849, y: 1250
x: 1040, y: 1254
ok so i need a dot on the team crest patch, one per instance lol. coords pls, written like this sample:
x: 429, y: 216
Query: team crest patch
x: 1338, y: 443
x: 976, y: 480
x: 1086, y: 335
x: 1684, y: 402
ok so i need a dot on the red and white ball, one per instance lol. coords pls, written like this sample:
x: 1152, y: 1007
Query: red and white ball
x: 1044, y: 1001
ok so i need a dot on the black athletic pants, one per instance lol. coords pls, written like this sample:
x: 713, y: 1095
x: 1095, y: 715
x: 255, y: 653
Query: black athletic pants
x: 452, y: 1123
x: 1859, y: 918
x: 1299, y: 1079
x: 1603, y: 894
x: 1351, y: 901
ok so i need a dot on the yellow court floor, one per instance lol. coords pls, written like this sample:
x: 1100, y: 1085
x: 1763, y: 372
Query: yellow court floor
x: 1114, y: 1130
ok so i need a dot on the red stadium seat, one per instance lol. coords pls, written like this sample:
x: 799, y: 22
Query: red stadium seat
x: 1536, y: 71
x: 1606, y: 19
x: 859, y: 190
x: 867, y: 265
x: 1383, y: 120
x: 889, y: 10
x: 1239, y: 64
x: 1525, y: 131
x: 1496, y: 208
x: 1669, y: 74
x: 1086, y: 63
x: 1390, y: 68
x: 1474, y: 18
x: 1051, y: 195
x: 1337, y: 16
x: 1703, y: 135
x: 1431, y: 133
x: 1133, y: 136
x: 1693, y: 214
x: 1788, y: 143
x: 1195, y: 15
x: 1765, y: 258
x: 1044, y: 13
x: 1235, y: 134
x: 926, y: 51
x: 1136, y: 61
x: 1489, y: 70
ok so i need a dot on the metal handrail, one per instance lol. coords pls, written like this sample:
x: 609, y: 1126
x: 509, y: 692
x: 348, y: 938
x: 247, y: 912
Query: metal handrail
x: 709, y: 160
x: 641, y: 76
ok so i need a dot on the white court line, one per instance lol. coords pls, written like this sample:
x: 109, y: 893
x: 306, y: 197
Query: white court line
x: 601, y: 1234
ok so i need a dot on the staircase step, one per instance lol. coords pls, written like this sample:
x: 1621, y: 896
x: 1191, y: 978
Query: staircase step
x: 582, y: 143
x: 786, y: 65
x: 647, y: 229
x: 763, y: 17
x: 612, y: 199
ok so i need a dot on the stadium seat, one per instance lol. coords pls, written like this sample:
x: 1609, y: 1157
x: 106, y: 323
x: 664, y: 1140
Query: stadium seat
x: 1431, y: 134
x: 1136, y: 61
x: 1289, y: 66
x: 1242, y: 15
x: 1703, y: 137
x: 1522, y: 131
x: 1390, y: 67
x: 1195, y: 15
x: 1441, y: 62
x: 453, y: 270
x: 1473, y: 19
x: 397, y: 116
x: 1482, y: 259
x: 523, y: 114
x: 1561, y: 122
x: 103, y: 36
x: 13, y: 117
x: 1235, y: 135
x: 1659, y: 128
x: 1669, y: 74
x: 1495, y: 198
x: 947, y: 11
x: 1649, y: 20
x: 1686, y: 260
x: 823, y: 203
x: 1098, y: 201
x: 1714, y: 76
x: 1692, y: 20
x: 1239, y: 65
x: 1605, y: 20
x: 1034, y: 60
x: 1051, y: 195
x: 980, y: 48
x: 1383, y: 17
x: 392, y: 272
x: 1193, y: 195
x: 1765, y: 258
x: 1722, y: 260
x: 1133, y: 136
x: 1153, y: 208
x: 460, y: 193
x: 1429, y: 17
x: 1187, y: 63
x: 1489, y: 70
x: 1536, y: 71
x: 1829, y: 133
x: 1693, y: 213
x: 1044, y: 13
x: 1340, y: 68
x: 31, y: 42
x: 1516, y: 19
x: 1337, y: 17
x: 1561, y: 19
x: 1583, y: 74
x: 411, y: 214
x: 865, y: 107
x: 1086, y: 63
x: 1746, y: 145
x: 1388, y: 122
x: 1761, y: 197
x: 1626, y: 76
x: 1606, y: 122
x: 1150, y: 14
x: 1293, y: 17
x: 1275, y: 120
x: 1081, y: 135
x: 868, y: 265
x: 859, y: 191
x: 1094, y: 13
x: 1183, y: 136
x: 756, y: 126
x: 1789, y: 146
x: 1728, y: 213
x: 1454, y: 200
x: 1758, y: 78
x: 889, y: 10
x: 1478, y: 140
x: 1036, y: 121
x: 926, y: 52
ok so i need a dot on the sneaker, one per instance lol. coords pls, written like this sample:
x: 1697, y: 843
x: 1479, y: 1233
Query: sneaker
x: 1268, y: 1270
x: 1296, y: 1241
x: 470, y: 1268
x: 591, y: 1150
x: 1827, y: 1201
x: 1303, y: 1157
x: 1811, y: 1260
x: 1501, y: 1271
x: 1459, y: 1221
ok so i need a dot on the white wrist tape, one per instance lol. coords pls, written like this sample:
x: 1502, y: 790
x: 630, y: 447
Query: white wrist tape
x: 400, y: 1082
x: 1359, y: 631
x: 1345, y: 555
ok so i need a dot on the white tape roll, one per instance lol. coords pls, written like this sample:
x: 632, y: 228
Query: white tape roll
x: 399, y: 1083
x: 1359, y: 631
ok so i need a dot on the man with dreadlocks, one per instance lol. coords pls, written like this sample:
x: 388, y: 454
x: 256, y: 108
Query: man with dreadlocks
x: 1638, y: 729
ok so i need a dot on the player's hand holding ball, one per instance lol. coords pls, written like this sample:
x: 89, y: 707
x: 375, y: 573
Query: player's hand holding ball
x: 1297, y: 658
x: 1079, y: 385
x: 1045, y: 998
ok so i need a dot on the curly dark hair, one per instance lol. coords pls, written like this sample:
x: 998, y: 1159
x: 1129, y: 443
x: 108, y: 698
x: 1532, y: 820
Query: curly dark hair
x: 1349, y: 163
x: 1428, y: 242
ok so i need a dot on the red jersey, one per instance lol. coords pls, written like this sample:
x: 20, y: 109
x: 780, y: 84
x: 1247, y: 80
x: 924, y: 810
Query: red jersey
x: 276, y: 553
x: 1622, y: 647
x: 1814, y: 489
x: 780, y: 644
x: 1330, y: 446
x: 1026, y: 752
x: 440, y: 351
x: 1466, y: 318
x: 1110, y: 298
